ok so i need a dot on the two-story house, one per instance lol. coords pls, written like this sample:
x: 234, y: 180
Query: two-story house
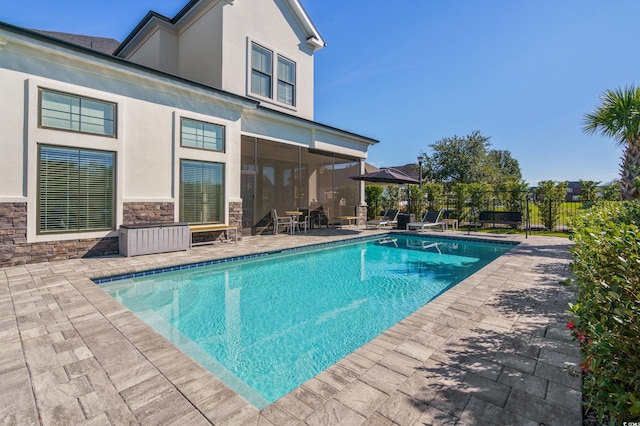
x: 205, y: 118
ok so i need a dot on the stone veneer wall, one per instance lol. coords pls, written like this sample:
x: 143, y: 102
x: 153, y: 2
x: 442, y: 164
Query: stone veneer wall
x: 147, y: 212
x: 235, y: 217
x: 14, y: 249
x: 362, y: 214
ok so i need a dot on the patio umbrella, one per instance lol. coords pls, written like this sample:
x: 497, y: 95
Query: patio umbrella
x: 386, y: 175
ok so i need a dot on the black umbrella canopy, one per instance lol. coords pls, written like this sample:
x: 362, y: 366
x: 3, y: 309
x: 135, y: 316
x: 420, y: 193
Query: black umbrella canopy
x: 386, y: 175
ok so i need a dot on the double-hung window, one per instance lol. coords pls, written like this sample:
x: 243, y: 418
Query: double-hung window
x: 201, y: 192
x: 77, y: 113
x: 261, y: 70
x: 262, y: 75
x: 75, y: 190
x: 286, y: 80
x: 198, y: 134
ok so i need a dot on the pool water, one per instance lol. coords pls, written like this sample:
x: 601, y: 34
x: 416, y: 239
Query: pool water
x: 267, y: 325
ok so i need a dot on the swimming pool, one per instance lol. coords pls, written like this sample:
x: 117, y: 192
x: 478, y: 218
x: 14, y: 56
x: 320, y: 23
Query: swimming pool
x: 266, y: 325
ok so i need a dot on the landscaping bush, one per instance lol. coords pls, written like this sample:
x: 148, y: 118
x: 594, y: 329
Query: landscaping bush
x: 606, y: 264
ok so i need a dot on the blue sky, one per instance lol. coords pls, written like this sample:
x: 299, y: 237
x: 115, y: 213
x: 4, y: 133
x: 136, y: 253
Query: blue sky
x: 410, y: 73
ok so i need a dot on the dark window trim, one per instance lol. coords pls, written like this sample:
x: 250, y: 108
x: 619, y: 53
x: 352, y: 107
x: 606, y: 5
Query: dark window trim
x: 224, y: 136
x: 115, y: 113
x: 38, y: 188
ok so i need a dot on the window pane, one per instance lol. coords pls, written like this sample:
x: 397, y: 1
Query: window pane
x: 201, y: 192
x: 60, y: 111
x: 286, y: 70
x: 78, y: 114
x: 96, y: 117
x: 261, y: 84
x: 261, y: 59
x: 76, y: 190
x: 285, y: 93
x: 286, y: 80
x: 261, y: 70
x: 198, y: 134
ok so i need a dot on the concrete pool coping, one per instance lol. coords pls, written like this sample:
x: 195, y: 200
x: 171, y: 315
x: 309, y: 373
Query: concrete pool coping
x: 493, y: 349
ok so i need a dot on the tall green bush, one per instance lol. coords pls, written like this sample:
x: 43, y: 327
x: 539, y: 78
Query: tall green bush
x: 373, y: 198
x: 549, y: 198
x: 606, y: 264
x: 391, y: 197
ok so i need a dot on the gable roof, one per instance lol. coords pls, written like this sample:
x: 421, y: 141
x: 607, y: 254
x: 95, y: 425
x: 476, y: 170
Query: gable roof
x: 99, y: 44
x: 314, y: 40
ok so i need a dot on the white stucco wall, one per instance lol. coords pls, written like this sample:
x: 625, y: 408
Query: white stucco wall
x: 147, y: 144
x: 159, y: 50
x: 272, y: 25
x: 12, y: 123
x: 200, y: 47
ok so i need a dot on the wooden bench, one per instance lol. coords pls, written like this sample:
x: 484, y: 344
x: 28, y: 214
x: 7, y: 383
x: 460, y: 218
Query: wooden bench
x: 501, y: 217
x: 193, y: 229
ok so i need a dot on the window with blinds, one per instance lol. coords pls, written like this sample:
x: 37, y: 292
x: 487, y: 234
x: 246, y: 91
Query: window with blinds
x: 198, y: 134
x: 75, y: 190
x: 201, y: 192
x: 76, y: 113
x: 286, y: 80
x: 261, y: 70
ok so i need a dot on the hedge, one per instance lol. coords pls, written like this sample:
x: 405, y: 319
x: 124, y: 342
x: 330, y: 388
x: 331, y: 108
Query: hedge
x: 606, y: 266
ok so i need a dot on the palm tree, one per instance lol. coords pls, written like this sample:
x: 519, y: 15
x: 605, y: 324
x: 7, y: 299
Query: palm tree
x: 619, y: 117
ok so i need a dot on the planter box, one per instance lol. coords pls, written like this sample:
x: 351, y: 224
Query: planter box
x: 153, y: 238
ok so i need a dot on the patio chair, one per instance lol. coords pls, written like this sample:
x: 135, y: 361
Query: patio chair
x: 280, y: 220
x: 388, y: 217
x: 302, y: 221
x: 429, y: 220
x: 317, y: 217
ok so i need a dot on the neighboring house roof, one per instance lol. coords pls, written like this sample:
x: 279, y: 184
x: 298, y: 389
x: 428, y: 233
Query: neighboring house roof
x: 313, y: 36
x: 410, y: 170
x: 99, y: 44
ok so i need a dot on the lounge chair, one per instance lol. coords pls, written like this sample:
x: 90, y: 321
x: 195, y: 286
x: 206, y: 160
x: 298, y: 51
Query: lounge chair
x: 430, y: 219
x: 389, y: 217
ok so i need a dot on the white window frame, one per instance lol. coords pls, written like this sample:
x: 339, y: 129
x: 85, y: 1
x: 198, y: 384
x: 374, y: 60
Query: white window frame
x: 273, y: 74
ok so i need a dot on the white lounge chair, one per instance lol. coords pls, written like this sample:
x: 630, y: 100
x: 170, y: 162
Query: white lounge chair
x: 389, y: 217
x: 429, y: 220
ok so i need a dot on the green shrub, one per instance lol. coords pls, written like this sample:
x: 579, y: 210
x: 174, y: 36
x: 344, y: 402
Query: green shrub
x: 606, y: 264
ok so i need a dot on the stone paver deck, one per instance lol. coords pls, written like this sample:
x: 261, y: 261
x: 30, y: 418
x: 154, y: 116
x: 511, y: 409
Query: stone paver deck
x: 492, y: 350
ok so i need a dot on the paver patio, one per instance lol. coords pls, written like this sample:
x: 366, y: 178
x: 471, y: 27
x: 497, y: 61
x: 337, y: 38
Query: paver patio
x: 492, y: 350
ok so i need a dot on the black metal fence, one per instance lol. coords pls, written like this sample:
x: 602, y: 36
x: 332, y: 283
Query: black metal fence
x: 477, y: 211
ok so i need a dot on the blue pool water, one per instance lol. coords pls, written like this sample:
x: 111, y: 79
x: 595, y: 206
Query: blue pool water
x: 265, y: 326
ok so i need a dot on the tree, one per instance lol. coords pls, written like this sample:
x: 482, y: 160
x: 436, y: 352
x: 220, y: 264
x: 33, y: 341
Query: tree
x: 513, y: 195
x: 373, y: 198
x: 619, y: 117
x: 502, y: 167
x: 469, y: 159
x: 459, y: 159
x: 589, y: 191
x: 416, y: 200
x: 549, y: 198
x: 391, y: 197
x: 610, y: 191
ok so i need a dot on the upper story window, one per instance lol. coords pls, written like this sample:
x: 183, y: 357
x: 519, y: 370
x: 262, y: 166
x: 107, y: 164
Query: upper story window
x: 77, y: 113
x: 198, y: 134
x: 261, y: 70
x: 286, y: 80
x: 262, y: 75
